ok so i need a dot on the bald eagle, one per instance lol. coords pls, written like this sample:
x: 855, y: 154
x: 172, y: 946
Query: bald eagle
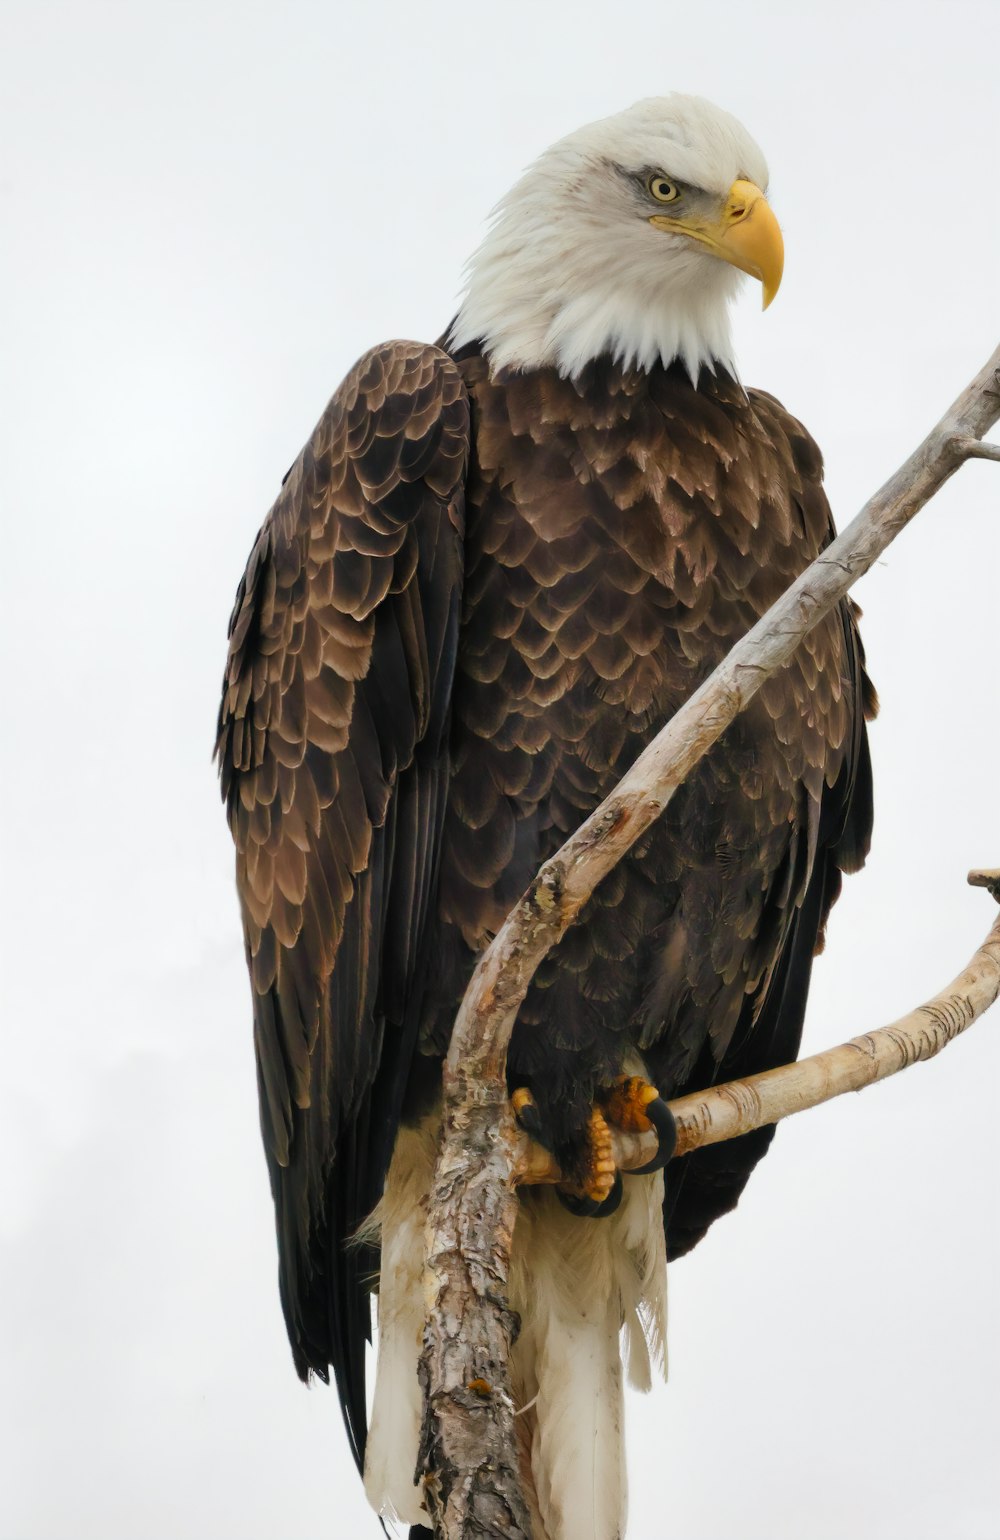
x: 496, y: 569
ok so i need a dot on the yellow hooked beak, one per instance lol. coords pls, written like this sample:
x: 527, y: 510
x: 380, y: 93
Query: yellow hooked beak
x: 745, y: 234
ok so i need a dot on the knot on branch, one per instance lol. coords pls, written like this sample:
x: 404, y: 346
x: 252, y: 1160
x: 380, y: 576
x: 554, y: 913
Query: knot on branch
x: 546, y: 892
x: 967, y: 448
x: 986, y: 878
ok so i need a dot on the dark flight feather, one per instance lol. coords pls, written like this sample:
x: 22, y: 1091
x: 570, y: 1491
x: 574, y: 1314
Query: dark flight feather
x: 342, y: 651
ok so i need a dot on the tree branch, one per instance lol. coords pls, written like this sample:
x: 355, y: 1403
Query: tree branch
x: 976, y: 449
x: 468, y: 1454
x: 740, y: 1106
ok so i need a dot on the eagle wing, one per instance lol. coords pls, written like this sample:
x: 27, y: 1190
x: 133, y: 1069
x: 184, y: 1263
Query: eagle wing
x: 333, y: 755
x: 832, y: 837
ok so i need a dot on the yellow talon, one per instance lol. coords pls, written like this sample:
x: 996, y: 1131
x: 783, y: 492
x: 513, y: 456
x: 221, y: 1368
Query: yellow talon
x: 601, y: 1176
x: 626, y: 1101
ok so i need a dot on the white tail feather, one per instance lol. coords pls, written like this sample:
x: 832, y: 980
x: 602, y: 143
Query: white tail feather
x: 584, y: 1289
x: 391, y: 1453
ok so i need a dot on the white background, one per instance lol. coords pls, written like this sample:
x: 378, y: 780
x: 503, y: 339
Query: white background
x: 214, y: 208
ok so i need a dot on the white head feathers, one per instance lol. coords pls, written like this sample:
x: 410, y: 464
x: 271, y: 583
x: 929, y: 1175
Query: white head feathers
x: 571, y: 267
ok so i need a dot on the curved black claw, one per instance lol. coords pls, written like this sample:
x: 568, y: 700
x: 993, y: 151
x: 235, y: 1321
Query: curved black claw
x: 528, y: 1116
x: 588, y: 1208
x: 662, y: 1119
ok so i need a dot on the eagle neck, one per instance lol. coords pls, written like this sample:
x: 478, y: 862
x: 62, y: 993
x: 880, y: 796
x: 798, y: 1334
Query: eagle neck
x: 603, y: 377
x: 525, y: 316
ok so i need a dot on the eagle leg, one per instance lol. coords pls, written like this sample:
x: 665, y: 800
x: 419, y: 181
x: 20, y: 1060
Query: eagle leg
x: 635, y: 1106
x: 594, y: 1187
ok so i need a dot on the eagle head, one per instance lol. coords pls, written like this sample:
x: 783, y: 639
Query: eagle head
x: 628, y: 237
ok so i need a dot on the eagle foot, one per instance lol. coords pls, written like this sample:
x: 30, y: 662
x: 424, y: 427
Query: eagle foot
x: 596, y: 1190
x: 635, y: 1106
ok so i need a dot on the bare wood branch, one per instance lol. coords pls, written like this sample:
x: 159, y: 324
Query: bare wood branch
x: 990, y: 880
x: 977, y: 449
x: 468, y: 1458
x: 726, y: 1111
x: 470, y: 1214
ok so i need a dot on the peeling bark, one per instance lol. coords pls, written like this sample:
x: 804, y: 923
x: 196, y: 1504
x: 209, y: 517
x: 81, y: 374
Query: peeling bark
x: 468, y: 1459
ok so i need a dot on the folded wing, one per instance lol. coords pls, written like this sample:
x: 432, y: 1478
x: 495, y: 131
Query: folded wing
x: 332, y: 748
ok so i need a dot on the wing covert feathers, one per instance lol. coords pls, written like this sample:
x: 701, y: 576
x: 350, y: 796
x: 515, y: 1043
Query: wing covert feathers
x: 333, y: 758
x: 625, y: 529
x: 446, y: 649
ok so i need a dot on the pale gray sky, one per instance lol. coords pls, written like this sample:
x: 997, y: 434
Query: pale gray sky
x: 210, y: 211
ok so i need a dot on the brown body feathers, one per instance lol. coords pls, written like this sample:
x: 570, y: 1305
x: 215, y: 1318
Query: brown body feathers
x: 473, y: 604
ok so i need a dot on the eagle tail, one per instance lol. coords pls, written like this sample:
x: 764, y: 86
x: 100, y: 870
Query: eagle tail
x: 576, y: 1284
x: 585, y: 1289
x: 398, y: 1223
x: 577, y: 1453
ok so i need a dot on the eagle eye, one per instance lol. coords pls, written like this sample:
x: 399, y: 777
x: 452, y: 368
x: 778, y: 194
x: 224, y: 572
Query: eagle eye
x: 662, y: 189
